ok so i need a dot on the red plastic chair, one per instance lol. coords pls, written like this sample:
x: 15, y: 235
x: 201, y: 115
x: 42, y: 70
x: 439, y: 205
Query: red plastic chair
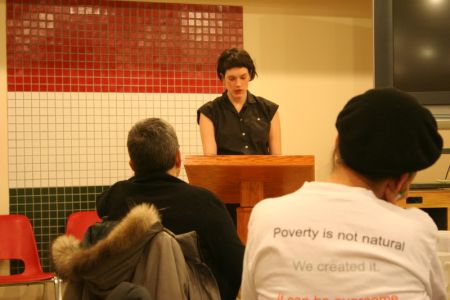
x: 17, y: 242
x: 79, y: 222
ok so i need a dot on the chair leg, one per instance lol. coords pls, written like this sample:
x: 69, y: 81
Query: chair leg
x: 58, y: 291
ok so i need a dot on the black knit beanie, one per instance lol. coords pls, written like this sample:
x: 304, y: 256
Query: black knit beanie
x: 386, y: 132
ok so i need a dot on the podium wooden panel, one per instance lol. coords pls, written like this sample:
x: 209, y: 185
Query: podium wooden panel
x: 247, y: 179
x: 428, y: 198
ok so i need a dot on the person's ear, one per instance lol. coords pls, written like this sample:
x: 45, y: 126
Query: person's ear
x: 178, y: 159
x: 397, y: 188
x: 130, y: 162
x: 336, y: 154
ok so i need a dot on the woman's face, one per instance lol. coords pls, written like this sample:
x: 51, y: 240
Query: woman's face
x: 236, y: 82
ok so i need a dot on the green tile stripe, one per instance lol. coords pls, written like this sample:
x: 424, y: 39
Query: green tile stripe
x: 48, y: 209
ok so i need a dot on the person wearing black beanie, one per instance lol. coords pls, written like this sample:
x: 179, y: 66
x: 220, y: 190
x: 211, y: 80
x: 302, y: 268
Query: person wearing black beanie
x: 346, y: 238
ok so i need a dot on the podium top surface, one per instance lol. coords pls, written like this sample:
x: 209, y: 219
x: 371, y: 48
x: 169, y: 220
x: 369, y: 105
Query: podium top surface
x: 249, y: 160
x: 223, y: 174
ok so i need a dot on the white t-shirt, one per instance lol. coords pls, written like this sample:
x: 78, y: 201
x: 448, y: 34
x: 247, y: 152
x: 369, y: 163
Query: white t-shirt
x: 335, y: 242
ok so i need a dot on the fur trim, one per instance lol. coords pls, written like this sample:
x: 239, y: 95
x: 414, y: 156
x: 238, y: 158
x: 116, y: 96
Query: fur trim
x: 71, y: 261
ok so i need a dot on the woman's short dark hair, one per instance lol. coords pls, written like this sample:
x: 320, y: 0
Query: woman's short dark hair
x: 235, y: 58
x: 152, y: 145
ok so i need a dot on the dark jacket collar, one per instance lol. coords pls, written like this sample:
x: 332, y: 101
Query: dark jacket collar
x: 153, y: 177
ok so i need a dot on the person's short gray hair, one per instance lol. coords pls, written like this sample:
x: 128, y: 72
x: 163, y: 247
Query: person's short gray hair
x: 152, y: 145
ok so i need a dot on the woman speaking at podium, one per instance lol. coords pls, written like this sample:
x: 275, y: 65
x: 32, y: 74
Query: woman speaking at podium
x: 239, y: 122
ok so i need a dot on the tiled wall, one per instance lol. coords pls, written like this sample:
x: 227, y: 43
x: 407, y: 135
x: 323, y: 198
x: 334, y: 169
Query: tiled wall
x: 108, y: 46
x: 80, y: 73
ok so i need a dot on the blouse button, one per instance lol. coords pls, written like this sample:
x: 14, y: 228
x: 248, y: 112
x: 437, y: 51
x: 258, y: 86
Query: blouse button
x: 258, y: 119
x: 246, y: 147
x: 241, y: 119
x: 243, y: 133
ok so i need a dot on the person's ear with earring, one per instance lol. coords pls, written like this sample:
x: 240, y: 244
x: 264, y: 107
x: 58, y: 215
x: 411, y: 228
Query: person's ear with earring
x: 400, y: 195
x: 404, y: 191
x: 396, y: 189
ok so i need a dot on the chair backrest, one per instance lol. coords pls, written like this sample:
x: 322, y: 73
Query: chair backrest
x: 18, y: 243
x: 79, y: 222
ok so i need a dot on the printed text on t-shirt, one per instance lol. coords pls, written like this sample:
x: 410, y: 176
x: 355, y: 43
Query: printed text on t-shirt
x: 313, y: 234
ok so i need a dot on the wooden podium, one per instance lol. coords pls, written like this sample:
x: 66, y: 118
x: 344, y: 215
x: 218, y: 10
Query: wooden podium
x: 247, y: 179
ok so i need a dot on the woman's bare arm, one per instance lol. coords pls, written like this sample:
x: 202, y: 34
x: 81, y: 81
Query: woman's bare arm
x: 207, y: 135
x: 275, y: 135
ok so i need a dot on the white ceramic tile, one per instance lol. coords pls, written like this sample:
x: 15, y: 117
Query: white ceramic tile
x: 24, y: 95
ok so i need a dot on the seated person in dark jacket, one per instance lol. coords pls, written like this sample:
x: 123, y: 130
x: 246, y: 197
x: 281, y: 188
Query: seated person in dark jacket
x: 156, y: 160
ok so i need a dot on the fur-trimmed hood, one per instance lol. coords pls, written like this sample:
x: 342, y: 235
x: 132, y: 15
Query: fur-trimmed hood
x: 116, y: 253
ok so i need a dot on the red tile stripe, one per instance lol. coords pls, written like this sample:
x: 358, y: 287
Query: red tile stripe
x: 114, y: 46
